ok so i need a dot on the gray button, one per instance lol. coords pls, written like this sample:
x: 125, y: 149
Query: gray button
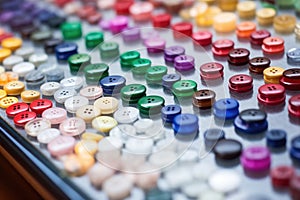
x: 55, y: 75
x: 10, y: 61
x: 62, y: 95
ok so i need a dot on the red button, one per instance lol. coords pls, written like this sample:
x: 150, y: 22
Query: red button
x: 161, y: 20
x: 122, y: 7
x: 239, y: 56
x: 257, y: 37
x: 291, y: 79
x: 16, y: 108
x: 5, y: 35
x: 202, y: 38
x: 182, y: 28
x: 273, y: 45
x: 22, y: 118
x: 86, y: 11
x: 222, y: 47
x: 211, y: 70
x: 62, y: 3
x: 40, y: 105
x: 271, y: 94
x: 95, y: 18
x: 282, y: 175
x: 240, y: 83
x: 295, y: 187
x: 294, y: 105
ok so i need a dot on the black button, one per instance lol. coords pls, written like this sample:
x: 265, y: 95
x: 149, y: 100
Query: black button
x: 276, y: 138
x: 55, y: 22
x: 50, y: 45
x: 228, y: 149
x: 293, y: 73
x: 258, y: 64
x: 253, y: 116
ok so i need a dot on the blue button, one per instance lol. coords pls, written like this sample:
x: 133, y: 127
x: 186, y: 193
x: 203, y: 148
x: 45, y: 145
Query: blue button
x: 293, y: 55
x: 169, y: 112
x: 112, y: 84
x: 276, y: 138
x: 65, y: 50
x: 46, y: 16
x: 185, y: 124
x: 226, y: 108
x: 169, y: 79
x: 295, y: 149
x: 212, y: 136
x: 55, y: 75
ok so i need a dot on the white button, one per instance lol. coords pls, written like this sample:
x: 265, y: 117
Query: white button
x: 110, y: 144
x: 91, y: 92
x: 123, y: 131
x: 178, y: 177
x: 23, y: 68
x: 25, y: 52
x: 163, y: 158
x: 189, y: 156
x: 10, y: 61
x: 72, y: 82
x: 48, y: 135
x: 99, y: 173
x: 157, y: 131
x: 38, y: 59
x: 126, y: 115
x: 203, y: 170
x: 63, y: 94
x: 224, y: 181
x: 35, y: 126
x: 72, y: 104
x: 49, y: 88
x: 194, y: 189
x: 139, y: 146
x: 210, y: 194
x: 143, y: 125
x: 109, y: 151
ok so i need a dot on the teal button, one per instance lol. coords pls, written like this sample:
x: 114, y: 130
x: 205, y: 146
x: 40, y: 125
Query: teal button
x: 154, y: 74
x: 78, y: 61
x: 184, y: 88
x: 71, y: 30
x: 152, y: 104
x: 95, y: 72
x: 132, y: 93
x: 109, y: 50
x: 93, y: 39
x: 127, y: 58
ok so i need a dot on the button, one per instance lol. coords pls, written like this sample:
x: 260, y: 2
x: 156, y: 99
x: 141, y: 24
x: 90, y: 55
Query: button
x: 61, y: 145
x: 265, y: 16
x: 240, y: 83
x: 47, y: 135
x: 156, y: 193
x: 284, y: 23
x: 204, y: 98
x: 206, y: 18
x: 228, y: 5
x: 104, y: 123
x: 72, y: 104
x: 276, y: 138
x: 55, y: 115
x: 128, y: 57
x: 202, y: 38
x: 245, y: 29
x: 93, y: 39
x: 216, y: 179
x: 63, y: 94
x: 273, y: 74
x: 281, y: 176
x: 291, y: 79
x: 11, y: 43
x: 154, y: 74
x: 169, y: 79
x: 71, y: 30
x: 161, y: 20
x: 140, y: 66
x: 211, y: 70
x: 7, y: 101
x: 184, y: 88
x: 225, y: 22
x: 246, y: 9
x: 34, y: 78
x: 122, y: 7
x: 182, y: 29
x: 35, y: 126
x: 251, y: 121
x: 72, y: 82
x: 24, y: 117
x: 297, y: 31
x: 212, y: 136
x: 149, y: 34
x: 118, y: 24
x: 131, y: 34
x: 50, y: 45
x: 16, y: 108
x: 155, y: 45
x: 293, y: 56
x: 184, y: 63
x: 77, y: 62
x: 14, y: 88
x: 12, y: 60
x: 226, y: 108
x: 141, y: 11
x: 185, y: 124
x: 294, y: 186
x: 40, y: 36
x: 109, y: 50
x: 28, y: 96
x: 259, y: 64
x: 222, y: 47
x: 142, y: 125
x: 107, y: 105
x: 150, y: 105
x: 169, y: 112
x: 271, y: 94
x: 40, y: 105
x: 23, y: 68
x: 2, y: 94
x: 126, y: 115
x: 91, y: 92
x: 24, y: 52
x: 72, y: 126
x: 92, y: 136
x: 295, y: 147
x: 172, y: 52
x: 95, y: 72
x: 55, y: 75
x: 239, y: 56
x: 132, y: 93
x: 227, y: 149
x: 256, y: 159
x: 86, y: 147
x: 257, y: 37
x: 125, y: 184
x: 65, y: 50
x: 112, y: 85
x: 38, y: 59
x: 49, y: 88
x: 273, y: 45
x: 4, y: 53
x: 294, y: 106
x: 88, y: 113
x: 99, y: 173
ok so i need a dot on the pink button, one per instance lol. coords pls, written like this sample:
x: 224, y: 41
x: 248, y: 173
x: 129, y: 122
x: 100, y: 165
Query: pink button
x: 141, y: 11
x: 145, y: 35
x: 61, y: 145
x: 55, y: 115
x: 104, y: 25
x: 256, y: 159
x: 118, y: 24
x: 155, y: 45
x: 72, y: 126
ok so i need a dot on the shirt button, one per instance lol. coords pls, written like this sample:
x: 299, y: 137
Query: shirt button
x: 24, y: 117
x: 207, y: 18
x: 169, y: 79
x: 11, y: 43
x: 125, y: 185
x: 23, y: 68
x: 86, y: 147
x: 294, y: 106
x: 284, y: 23
x: 88, y: 113
x: 92, y: 136
x: 55, y: 115
x: 227, y: 149
x: 256, y: 159
x: 186, y: 124
x: 224, y: 22
x: 107, y: 105
x: 131, y: 34
x: 281, y: 176
x: 211, y: 70
x: 112, y: 85
x: 128, y: 57
x: 54, y: 75
x: 109, y: 50
x: 14, y: 88
x: 258, y: 36
x: 91, y: 92
x: 245, y: 29
x: 93, y: 39
x: 238, y: 56
x: 40, y: 105
x: 118, y: 24
x: 293, y: 56
x: 184, y: 63
x: 295, y: 148
x: 49, y: 88
x: 155, y: 73
x: 95, y: 72
x: 161, y: 20
x: 50, y: 45
x: 259, y: 64
x: 4, y: 53
x: 246, y: 9
x: 276, y: 138
x: 273, y: 45
x: 240, y: 83
x: 150, y: 105
x: 169, y: 112
x: 72, y: 82
x: 202, y: 38
x: 126, y: 115
x: 155, y: 45
x: 47, y: 135
x: 211, y: 137
x: 182, y: 29
x: 72, y: 104
x: 141, y: 11
x: 226, y: 108
x: 265, y: 16
x: 273, y: 74
x: 35, y: 126
x: 131, y: 93
x: 71, y: 30
x: 61, y: 145
x: 104, y: 123
x: 28, y: 96
x: 2, y: 94
x: 78, y: 62
x: 291, y: 79
x: 184, y: 88
x: 16, y: 108
x: 24, y: 52
x: 204, y: 99
x: 10, y: 61
x: 40, y: 36
x: 122, y: 7
x: 34, y: 79
x: 62, y: 95
x: 172, y: 52
x: 65, y: 50
x: 38, y: 59
x: 222, y: 47
x: 72, y: 126
x: 140, y: 66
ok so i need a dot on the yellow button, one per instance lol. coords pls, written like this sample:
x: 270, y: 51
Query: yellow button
x: 92, y: 136
x: 227, y: 5
x: 2, y: 69
x: 107, y: 105
x: 29, y: 96
x: 209, y: 2
x: 185, y: 14
x: 88, y: 113
x: 207, y: 18
x: 12, y: 43
x: 284, y: 23
x: 225, y: 22
x: 297, y: 30
x: 87, y: 161
x: 273, y: 74
x: 4, y: 53
x: 14, y: 87
x: 7, y: 101
x: 265, y: 16
x: 2, y: 94
x: 198, y: 9
x: 86, y: 147
x: 104, y: 123
x: 8, y: 77
x: 77, y: 165
x: 246, y: 9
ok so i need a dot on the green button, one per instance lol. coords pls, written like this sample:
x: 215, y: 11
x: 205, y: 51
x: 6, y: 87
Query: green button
x: 184, y: 88
x: 71, y: 30
x: 141, y: 62
x: 154, y: 74
x: 133, y: 92
x: 78, y: 61
x: 109, y: 50
x: 93, y: 39
x: 151, y: 104
x: 128, y: 57
x: 285, y: 3
x: 95, y: 72
x: 155, y: 194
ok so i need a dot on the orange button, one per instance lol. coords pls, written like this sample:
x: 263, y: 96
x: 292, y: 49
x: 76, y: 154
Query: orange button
x: 244, y: 29
x: 12, y: 43
x: 225, y: 22
x: 8, y: 77
x: 4, y: 53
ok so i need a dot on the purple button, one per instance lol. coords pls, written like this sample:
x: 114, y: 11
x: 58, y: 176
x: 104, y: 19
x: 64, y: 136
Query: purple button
x: 6, y: 16
x: 184, y: 63
x: 131, y: 34
x: 155, y: 45
x: 149, y: 34
x: 118, y: 24
x: 256, y: 159
x: 172, y: 52
x: 21, y: 22
x: 104, y: 25
x: 169, y: 79
x: 28, y: 6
